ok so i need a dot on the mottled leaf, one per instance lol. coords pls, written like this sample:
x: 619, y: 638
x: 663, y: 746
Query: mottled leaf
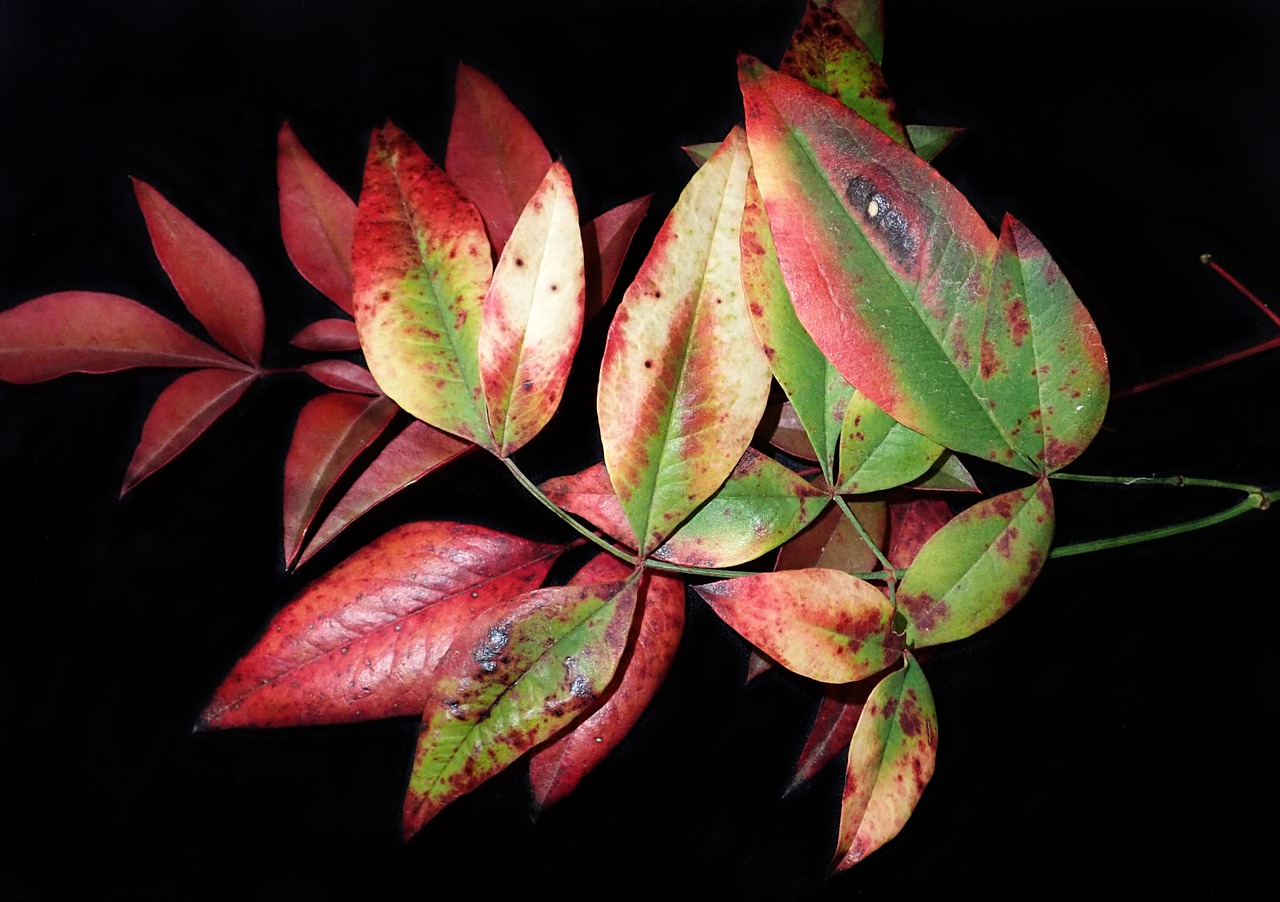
x: 180, y: 415
x: 317, y: 220
x: 822, y: 624
x: 831, y: 541
x: 494, y: 155
x: 931, y: 140
x: 328, y: 335
x: 683, y: 383
x: 832, y: 730
x: 533, y: 316
x: 558, y: 766
x: 418, y: 450
x: 516, y: 676
x: 978, y: 566
x: 422, y: 268
x: 331, y: 431
x: 356, y: 643
x: 912, y: 522
x: 891, y: 760
x: 215, y: 286
x: 867, y: 19
x: 605, y: 242
x: 342, y: 375
x: 877, y: 452
x: 91, y: 332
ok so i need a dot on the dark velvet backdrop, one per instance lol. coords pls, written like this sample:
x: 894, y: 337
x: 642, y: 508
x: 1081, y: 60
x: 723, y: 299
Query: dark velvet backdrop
x: 1114, y: 724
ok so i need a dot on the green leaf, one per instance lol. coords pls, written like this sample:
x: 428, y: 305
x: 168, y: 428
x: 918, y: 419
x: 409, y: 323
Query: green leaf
x: 683, y: 382
x: 948, y: 474
x: 931, y: 140
x: 891, y: 760
x: 512, y: 679
x: 421, y: 269
x: 877, y: 452
x: 978, y: 566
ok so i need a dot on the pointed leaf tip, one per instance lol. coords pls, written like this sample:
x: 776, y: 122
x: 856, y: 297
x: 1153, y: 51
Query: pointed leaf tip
x: 317, y: 220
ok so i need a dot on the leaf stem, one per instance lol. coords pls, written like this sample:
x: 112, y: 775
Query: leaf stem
x: 875, y: 549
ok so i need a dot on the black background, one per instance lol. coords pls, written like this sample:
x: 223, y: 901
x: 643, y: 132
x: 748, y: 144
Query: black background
x: 1116, y: 727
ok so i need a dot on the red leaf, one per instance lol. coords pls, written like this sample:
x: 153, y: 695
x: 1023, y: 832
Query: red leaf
x: 357, y: 642
x: 415, y: 452
x: 92, y: 332
x: 557, y: 767
x: 317, y: 220
x: 215, y: 286
x: 331, y: 431
x: 911, y: 524
x: 605, y: 241
x: 328, y: 335
x: 832, y: 729
x: 494, y: 155
x: 342, y: 375
x: 183, y: 411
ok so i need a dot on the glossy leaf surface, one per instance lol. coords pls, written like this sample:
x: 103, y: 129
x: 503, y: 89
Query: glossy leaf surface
x: 92, y: 332
x: 512, y: 679
x: 356, y: 643
x: 833, y: 542
x: 683, y: 383
x: 215, y: 286
x: 331, y: 431
x: 557, y: 767
x: 342, y: 375
x: 184, y: 410
x: 978, y: 566
x: 605, y: 242
x: 422, y: 267
x: 877, y: 452
x: 912, y: 522
x: 832, y: 731
x: 891, y: 759
x: 819, y: 623
x: 533, y: 315
x: 317, y: 220
x: 328, y: 335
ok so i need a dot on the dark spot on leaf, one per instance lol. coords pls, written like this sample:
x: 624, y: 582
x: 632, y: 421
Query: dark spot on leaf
x: 909, y: 719
x: 519, y: 261
x: 648, y: 364
x: 527, y: 385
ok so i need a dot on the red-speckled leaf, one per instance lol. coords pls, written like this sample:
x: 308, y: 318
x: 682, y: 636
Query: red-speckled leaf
x: 533, y: 315
x: 891, y: 759
x: 494, y: 155
x: 180, y: 415
x: 913, y: 522
x: 931, y: 140
x: 605, y: 241
x: 683, y: 382
x: 831, y: 541
x: 512, y: 679
x: 331, y: 431
x: 827, y: 53
x: 342, y: 375
x: 867, y: 19
x: 887, y: 264
x: 557, y: 767
x: 422, y: 268
x: 417, y: 451
x: 317, y: 220
x: 1036, y: 326
x: 356, y: 644
x: 877, y: 452
x: 328, y: 335
x: 819, y: 623
x: 91, y: 332
x: 215, y: 286
x: 832, y: 730
x: 978, y: 566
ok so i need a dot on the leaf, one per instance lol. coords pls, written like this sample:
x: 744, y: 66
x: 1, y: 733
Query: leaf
x: 557, y: 767
x: 912, y: 523
x: 605, y: 242
x: 422, y: 268
x: 978, y: 566
x: 931, y: 140
x: 948, y: 474
x: 512, y: 679
x: 494, y: 155
x: 683, y: 384
x: 1036, y: 326
x: 820, y: 623
x: 328, y: 335
x: 92, y: 332
x: 831, y: 541
x: 700, y: 153
x: 342, y: 375
x: 317, y: 220
x: 331, y: 431
x: 357, y: 642
x: 215, y: 286
x: 783, y: 429
x: 832, y: 730
x: 533, y: 316
x: 417, y: 451
x: 867, y: 19
x: 180, y: 415
x: 877, y: 452
x: 891, y: 760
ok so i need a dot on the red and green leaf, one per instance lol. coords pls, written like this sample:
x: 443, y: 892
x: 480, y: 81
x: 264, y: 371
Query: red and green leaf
x: 891, y: 759
x: 356, y: 643
x: 317, y: 220
x: 978, y: 566
x: 215, y: 286
x: 422, y: 268
x: 328, y: 335
x: 342, y: 375
x: 831, y: 541
x: 514, y: 677
x: 867, y: 19
x: 683, y: 383
x: 605, y: 242
x: 877, y: 452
